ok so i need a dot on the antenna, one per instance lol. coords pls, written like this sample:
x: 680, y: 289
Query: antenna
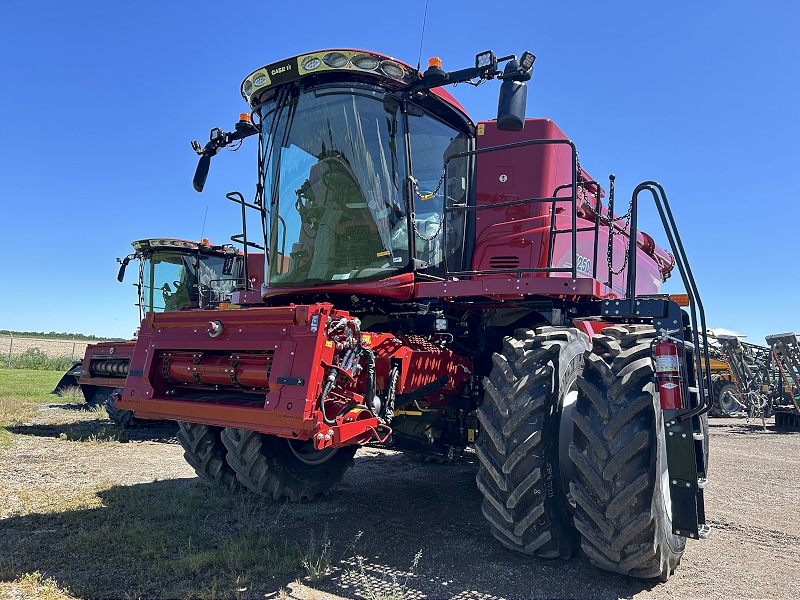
x: 422, y: 37
x: 204, y: 224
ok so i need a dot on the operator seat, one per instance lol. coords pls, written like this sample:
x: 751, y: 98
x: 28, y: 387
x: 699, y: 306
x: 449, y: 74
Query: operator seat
x: 346, y: 237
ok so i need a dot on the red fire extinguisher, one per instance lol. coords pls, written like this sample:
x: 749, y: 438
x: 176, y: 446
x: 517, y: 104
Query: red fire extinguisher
x: 668, y: 374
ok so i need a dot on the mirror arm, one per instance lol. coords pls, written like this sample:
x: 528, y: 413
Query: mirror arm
x: 463, y: 75
x: 214, y: 145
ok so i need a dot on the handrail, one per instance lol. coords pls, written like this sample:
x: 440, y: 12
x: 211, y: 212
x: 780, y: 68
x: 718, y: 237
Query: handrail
x: 474, y: 208
x: 700, y: 355
x: 595, y: 227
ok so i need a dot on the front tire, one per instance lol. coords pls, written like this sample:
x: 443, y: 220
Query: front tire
x: 121, y: 416
x: 525, y: 500
x: 205, y: 452
x: 620, y: 482
x: 283, y: 468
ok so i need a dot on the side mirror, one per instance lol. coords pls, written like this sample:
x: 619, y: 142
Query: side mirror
x: 199, y: 180
x: 123, y: 263
x: 218, y: 139
x: 512, y: 102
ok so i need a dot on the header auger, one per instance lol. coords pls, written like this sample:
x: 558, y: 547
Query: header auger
x: 432, y: 285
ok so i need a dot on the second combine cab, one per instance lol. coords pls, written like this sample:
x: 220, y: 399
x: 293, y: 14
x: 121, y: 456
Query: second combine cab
x: 173, y: 275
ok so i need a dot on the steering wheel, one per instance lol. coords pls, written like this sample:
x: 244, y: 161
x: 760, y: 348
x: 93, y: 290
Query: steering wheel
x: 166, y: 292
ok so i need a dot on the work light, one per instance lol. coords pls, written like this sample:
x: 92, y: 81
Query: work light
x: 365, y: 61
x: 335, y: 60
x: 485, y: 61
x: 526, y: 61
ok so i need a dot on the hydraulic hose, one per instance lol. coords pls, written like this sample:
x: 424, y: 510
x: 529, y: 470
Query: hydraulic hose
x: 369, y: 360
x: 326, y: 389
x: 350, y: 362
x: 330, y: 382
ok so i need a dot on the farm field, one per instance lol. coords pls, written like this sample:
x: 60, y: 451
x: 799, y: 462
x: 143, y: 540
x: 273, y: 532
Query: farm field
x: 90, y: 510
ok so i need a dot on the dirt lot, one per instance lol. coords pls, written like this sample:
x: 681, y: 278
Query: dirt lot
x: 404, y: 507
x: 51, y: 347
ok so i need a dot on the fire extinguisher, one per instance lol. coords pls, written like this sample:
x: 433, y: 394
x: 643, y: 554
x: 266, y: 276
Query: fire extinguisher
x: 668, y: 374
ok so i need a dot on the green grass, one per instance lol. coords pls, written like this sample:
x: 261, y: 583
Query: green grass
x: 28, y: 384
x: 160, y: 539
x: 34, y: 358
x: 173, y: 538
x: 21, y: 393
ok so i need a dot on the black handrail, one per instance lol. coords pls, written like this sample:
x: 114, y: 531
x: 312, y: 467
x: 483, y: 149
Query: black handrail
x: 464, y: 209
x: 595, y: 227
x: 239, y: 198
x: 700, y: 355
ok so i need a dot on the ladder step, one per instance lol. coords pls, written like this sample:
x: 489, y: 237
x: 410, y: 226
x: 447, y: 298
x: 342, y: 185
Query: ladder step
x: 698, y: 436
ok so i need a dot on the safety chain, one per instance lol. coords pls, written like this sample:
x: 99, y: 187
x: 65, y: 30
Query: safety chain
x: 608, y: 220
x: 422, y: 237
x: 415, y: 183
x: 433, y: 193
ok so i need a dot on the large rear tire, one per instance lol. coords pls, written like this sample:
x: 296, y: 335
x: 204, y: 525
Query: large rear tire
x: 282, y: 468
x: 205, y: 452
x: 620, y: 482
x: 525, y: 499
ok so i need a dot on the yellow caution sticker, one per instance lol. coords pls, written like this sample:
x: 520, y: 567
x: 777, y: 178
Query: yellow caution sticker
x: 481, y: 128
x: 386, y: 253
x: 667, y: 362
x: 329, y: 344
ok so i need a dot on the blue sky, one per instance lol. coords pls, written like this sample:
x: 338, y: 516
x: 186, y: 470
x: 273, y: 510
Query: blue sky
x: 99, y: 100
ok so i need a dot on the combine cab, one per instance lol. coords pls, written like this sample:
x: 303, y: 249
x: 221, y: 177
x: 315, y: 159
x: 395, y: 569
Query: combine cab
x: 173, y: 275
x: 435, y: 285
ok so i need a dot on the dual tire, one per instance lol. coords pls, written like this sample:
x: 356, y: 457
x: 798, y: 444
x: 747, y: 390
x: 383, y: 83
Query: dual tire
x: 265, y: 464
x: 572, y: 450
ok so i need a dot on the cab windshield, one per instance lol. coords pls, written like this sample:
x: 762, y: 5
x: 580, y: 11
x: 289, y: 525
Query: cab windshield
x: 173, y: 280
x: 335, y: 161
x: 333, y: 164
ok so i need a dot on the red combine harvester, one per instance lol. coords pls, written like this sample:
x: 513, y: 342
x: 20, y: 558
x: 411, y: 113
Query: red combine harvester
x: 433, y: 284
x: 173, y: 275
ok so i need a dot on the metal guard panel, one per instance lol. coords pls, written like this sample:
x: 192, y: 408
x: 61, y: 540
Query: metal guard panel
x: 232, y: 416
x: 513, y: 287
x: 266, y: 338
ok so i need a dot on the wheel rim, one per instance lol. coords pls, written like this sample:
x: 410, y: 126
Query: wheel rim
x: 665, y: 489
x: 565, y: 436
x: 728, y: 401
x: 306, y: 453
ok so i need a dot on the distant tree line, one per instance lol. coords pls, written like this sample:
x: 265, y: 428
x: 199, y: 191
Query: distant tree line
x: 53, y: 335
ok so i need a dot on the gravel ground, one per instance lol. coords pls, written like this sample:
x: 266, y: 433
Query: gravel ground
x: 404, y: 507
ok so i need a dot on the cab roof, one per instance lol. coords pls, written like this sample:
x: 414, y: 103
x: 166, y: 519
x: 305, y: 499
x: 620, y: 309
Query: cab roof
x: 338, y: 64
